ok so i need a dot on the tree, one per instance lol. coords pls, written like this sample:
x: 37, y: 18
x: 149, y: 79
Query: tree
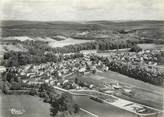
x: 135, y: 48
x: 62, y: 105
x: 6, y: 87
x: 76, y: 108
x: 32, y: 92
x: 15, y: 86
x: 54, y: 108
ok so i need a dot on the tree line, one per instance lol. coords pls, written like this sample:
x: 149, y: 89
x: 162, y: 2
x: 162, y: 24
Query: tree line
x: 39, y: 52
x: 139, y: 72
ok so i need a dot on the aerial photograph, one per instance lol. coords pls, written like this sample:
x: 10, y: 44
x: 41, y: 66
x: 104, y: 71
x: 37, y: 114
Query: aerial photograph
x: 81, y: 58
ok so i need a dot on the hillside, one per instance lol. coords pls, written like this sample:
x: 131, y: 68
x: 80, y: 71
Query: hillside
x: 91, y: 29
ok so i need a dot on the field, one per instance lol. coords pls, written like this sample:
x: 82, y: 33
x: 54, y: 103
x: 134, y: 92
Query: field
x: 11, y: 47
x: 64, y: 41
x: 33, y: 106
x: 59, y: 34
x: 102, y: 110
x: 85, y: 30
x: 151, y: 46
x: 145, y: 93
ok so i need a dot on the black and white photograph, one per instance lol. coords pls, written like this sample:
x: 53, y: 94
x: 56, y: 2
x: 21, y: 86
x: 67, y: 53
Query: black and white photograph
x: 82, y: 58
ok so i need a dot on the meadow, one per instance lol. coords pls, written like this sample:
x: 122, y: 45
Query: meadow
x: 145, y: 93
x: 33, y: 106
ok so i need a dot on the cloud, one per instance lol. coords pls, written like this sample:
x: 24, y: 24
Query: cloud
x: 82, y: 9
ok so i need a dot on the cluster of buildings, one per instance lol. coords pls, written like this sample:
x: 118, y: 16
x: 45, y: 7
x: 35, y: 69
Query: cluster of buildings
x: 56, y: 73
x: 149, y: 57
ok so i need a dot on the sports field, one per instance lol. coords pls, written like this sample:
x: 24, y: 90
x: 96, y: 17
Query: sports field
x: 144, y: 93
x: 101, y: 110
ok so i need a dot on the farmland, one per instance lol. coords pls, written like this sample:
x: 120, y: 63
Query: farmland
x: 151, y: 30
x: 33, y: 106
x: 151, y: 46
x: 56, y: 41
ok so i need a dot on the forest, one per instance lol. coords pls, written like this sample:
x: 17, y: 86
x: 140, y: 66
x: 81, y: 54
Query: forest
x: 40, y: 52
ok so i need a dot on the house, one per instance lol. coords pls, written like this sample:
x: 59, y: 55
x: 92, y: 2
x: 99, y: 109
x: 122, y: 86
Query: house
x: 83, y: 69
x: 91, y: 86
x: 47, y: 81
x: 65, y: 81
x: 2, y: 69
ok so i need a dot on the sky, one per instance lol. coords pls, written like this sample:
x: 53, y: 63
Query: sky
x: 83, y: 10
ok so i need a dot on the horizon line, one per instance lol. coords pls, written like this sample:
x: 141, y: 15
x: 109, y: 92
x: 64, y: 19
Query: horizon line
x: 122, y: 20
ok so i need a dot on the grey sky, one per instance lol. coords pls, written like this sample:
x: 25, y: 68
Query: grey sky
x: 82, y: 10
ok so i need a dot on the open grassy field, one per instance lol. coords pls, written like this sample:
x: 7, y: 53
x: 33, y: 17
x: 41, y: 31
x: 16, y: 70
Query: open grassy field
x: 33, y: 106
x: 11, y: 47
x: 101, y: 110
x: 151, y: 46
x: 58, y: 41
x: 145, y: 93
x: 65, y: 42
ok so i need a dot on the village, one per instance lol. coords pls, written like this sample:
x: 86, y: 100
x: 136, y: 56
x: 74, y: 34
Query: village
x: 56, y: 72
x: 82, y: 58
x: 77, y: 75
